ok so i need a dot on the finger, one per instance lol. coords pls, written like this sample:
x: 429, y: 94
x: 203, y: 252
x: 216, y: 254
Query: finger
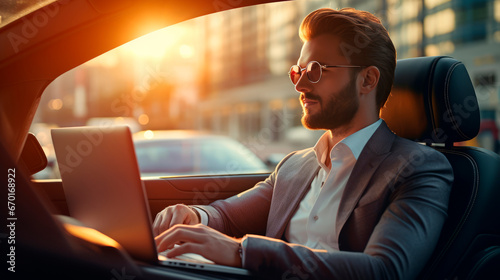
x: 182, y: 214
x: 178, y: 217
x: 209, y: 243
x: 162, y: 221
x: 177, y: 235
x: 184, y: 248
x: 157, y: 222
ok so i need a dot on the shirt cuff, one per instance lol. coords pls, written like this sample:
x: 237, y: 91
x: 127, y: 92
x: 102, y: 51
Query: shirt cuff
x: 243, y: 248
x: 203, y: 216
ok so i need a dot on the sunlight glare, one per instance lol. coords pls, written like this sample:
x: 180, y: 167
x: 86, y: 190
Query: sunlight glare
x: 149, y: 134
x: 143, y: 119
x: 156, y: 44
x: 496, y: 10
x: 186, y: 51
x: 431, y: 4
x: 439, y: 23
x: 55, y: 104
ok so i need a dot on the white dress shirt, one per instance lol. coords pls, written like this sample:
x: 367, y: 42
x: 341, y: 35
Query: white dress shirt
x: 313, y: 225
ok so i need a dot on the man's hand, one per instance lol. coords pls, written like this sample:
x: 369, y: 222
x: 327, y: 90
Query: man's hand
x: 202, y: 240
x: 173, y: 215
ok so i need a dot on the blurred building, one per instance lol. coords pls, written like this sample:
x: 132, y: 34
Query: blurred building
x: 229, y: 74
x: 249, y: 54
x: 249, y: 95
x: 466, y: 30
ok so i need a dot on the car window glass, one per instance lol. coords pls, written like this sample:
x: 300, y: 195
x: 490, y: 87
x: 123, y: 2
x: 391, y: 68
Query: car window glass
x: 226, y: 74
x: 170, y: 158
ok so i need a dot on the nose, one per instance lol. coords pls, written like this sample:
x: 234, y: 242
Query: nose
x: 303, y: 84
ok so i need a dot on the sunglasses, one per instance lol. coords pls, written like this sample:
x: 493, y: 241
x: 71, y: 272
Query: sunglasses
x: 314, y: 70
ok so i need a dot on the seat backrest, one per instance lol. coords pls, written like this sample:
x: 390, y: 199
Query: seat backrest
x: 33, y: 157
x: 433, y: 102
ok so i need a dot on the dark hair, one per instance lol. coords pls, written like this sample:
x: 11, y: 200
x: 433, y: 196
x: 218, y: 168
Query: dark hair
x: 365, y: 41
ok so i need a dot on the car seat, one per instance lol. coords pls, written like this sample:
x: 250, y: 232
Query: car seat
x: 433, y: 102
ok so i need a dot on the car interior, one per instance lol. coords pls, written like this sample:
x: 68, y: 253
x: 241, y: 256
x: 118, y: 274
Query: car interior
x: 432, y: 102
x: 444, y: 111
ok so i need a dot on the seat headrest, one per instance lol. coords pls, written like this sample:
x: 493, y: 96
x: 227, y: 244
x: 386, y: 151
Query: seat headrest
x: 432, y: 101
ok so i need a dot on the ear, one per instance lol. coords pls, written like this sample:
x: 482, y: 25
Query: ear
x: 369, y: 79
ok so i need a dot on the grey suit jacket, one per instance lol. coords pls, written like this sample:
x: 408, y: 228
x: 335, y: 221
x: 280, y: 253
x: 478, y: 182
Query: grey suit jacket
x: 388, y: 223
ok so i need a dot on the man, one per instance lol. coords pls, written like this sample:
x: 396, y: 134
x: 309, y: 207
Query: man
x: 362, y: 204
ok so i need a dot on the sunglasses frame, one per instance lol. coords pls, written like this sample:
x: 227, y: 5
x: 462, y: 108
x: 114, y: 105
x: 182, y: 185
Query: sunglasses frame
x: 321, y: 67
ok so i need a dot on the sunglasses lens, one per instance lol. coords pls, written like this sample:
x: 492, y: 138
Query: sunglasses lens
x: 313, y: 71
x: 295, y: 74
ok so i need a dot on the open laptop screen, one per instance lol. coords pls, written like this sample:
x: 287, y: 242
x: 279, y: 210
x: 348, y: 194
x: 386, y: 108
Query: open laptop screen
x: 103, y: 188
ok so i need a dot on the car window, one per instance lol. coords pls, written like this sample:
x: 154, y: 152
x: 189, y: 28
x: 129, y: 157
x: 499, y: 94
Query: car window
x: 170, y: 158
x: 196, y: 157
x: 227, y: 157
x: 227, y: 74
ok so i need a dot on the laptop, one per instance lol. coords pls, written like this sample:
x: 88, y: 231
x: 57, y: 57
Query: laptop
x: 104, y: 191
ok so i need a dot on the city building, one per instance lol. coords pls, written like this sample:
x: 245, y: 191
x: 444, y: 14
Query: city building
x: 229, y: 75
x: 265, y: 41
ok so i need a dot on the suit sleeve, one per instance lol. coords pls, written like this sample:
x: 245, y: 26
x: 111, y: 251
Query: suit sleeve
x: 400, y: 245
x: 244, y: 213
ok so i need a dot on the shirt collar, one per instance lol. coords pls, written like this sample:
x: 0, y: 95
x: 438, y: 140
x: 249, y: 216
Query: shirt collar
x: 355, y: 142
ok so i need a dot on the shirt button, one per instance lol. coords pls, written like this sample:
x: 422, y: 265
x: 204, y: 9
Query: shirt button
x: 316, y: 218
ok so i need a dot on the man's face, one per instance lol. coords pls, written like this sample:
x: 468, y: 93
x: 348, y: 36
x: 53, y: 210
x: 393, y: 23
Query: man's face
x: 332, y: 102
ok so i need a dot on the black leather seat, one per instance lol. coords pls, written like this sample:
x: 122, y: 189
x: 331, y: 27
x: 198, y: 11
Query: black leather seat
x: 433, y: 102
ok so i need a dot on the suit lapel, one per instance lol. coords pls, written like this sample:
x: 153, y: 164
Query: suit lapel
x: 376, y: 149
x: 288, y: 194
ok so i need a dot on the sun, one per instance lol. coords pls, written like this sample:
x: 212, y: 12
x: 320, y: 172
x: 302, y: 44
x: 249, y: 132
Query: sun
x: 155, y: 45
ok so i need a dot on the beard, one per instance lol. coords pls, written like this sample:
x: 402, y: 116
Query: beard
x: 335, y: 112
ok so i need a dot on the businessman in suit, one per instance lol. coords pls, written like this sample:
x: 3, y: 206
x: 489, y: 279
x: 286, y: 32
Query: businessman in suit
x: 362, y: 203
